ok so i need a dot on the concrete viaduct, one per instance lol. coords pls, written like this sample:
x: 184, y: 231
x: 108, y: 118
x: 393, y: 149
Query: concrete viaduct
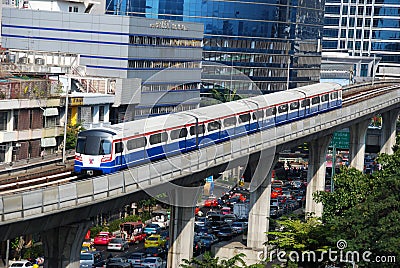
x: 62, y: 213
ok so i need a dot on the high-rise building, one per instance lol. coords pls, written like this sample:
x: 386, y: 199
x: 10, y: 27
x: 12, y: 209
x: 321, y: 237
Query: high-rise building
x: 365, y: 28
x: 264, y: 39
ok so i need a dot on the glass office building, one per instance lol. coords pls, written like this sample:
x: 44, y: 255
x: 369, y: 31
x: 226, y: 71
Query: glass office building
x: 365, y: 28
x: 267, y: 40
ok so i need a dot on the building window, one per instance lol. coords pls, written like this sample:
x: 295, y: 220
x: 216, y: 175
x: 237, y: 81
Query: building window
x: 16, y: 114
x: 3, y: 121
x: 101, y: 113
x: 73, y: 9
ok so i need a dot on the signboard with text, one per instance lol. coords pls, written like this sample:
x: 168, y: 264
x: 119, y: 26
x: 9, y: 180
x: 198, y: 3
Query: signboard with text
x: 341, y: 140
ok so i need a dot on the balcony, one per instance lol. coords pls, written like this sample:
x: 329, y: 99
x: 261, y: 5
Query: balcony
x: 8, y: 136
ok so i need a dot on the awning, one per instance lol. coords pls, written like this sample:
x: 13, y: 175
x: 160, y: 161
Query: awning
x: 48, y: 142
x: 50, y: 112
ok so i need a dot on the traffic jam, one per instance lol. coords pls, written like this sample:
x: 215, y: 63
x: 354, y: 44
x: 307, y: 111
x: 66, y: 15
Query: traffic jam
x: 217, y: 219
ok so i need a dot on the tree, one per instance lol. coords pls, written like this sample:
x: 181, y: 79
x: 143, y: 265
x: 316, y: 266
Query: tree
x: 364, y: 210
x: 209, y: 261
x: 224, y: 95
x: 296, y: 238
x: 72, y: 135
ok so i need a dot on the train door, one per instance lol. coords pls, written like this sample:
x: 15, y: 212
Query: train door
x: 315, y: 104
x: 282, y: 114
x: 119, y: 148
x: 305, y: 107
x: 325, y: 102
x: 294, y: 109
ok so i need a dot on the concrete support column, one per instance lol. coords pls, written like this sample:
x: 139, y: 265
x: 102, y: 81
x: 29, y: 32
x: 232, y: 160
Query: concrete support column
x: 358, y: 134
x: 260, y: 204
x: 62, y: 245
x: 316, y: 173
x: 388, y: 137
x: 181, y: 235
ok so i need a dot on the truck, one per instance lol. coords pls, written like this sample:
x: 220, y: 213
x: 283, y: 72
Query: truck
x: 241, y: 210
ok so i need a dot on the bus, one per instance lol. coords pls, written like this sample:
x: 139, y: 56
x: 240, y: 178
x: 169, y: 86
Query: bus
x: 133, y: 231
x: 160, y: 217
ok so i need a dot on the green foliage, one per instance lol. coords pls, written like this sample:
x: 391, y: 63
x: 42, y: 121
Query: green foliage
x: 365, y: 210
x: 209, y: 261
x: 33, y: 252
x: 96, y: 229
x: 296, y: 235
x: 224, y: 95
x: 351, y: 188
x: 72, y: 135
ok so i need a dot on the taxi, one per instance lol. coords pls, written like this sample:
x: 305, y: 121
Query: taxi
x: 103, y: 238
x: 154, y: 241
x: 87, y: 246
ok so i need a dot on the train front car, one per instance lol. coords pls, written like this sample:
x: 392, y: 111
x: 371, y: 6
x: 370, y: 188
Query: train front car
x: 94, y: 152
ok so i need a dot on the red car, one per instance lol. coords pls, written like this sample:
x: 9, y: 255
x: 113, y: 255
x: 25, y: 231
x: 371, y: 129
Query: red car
x: 212, y: 202
x: 103, y: 238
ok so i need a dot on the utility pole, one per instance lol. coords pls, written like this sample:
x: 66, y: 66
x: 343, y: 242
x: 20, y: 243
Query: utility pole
x: 65, y: 125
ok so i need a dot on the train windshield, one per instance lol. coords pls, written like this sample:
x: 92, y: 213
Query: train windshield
x: 93, y: 145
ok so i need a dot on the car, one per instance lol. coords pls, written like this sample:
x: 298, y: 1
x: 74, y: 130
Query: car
x: 116, y: 259
x: 197, y: 246
x: 103, y: 238
x: 137, y: 257
x: 203, y: 230
x: 119, y: 265
x: 153, y: 262
x: 22, y: 263
x: 217, y: 225
x: 233, y: 200
x: 225, y: 233
x: 87, y: 246
x: 208, y: 240
x: 211, y: 202
x: 155, y: 252
x: 200, y: 221
x: 119, y: 244
x: 211, y: 213
x: 238, y: 227
x: 230, y: 218
x: 155, y: 241
x: 152, y: 229
x: 226, y: 210
x: 91, y: 259
x: 275, y: 211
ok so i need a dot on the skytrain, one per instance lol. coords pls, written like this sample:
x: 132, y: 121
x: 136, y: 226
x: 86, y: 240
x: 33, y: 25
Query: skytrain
x: 128, y: 144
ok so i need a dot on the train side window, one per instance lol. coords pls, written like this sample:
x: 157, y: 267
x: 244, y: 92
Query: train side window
x: 325, y: 98
x: 304, y: 103
x: 244, y: 118
x: 158, y: 138
x: 136, y: 143
x: 294, y: 105
x: 334, y: 95
x: 271, y: 111
x: 258, y: 114
x: 119, y: 147
x: 105, y: 147
x: 214, y: 125
x: 230, y: 121
x: 315, y: 100
x: 178, y: 133
x: 200, y: 130
x: 283, y: 108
